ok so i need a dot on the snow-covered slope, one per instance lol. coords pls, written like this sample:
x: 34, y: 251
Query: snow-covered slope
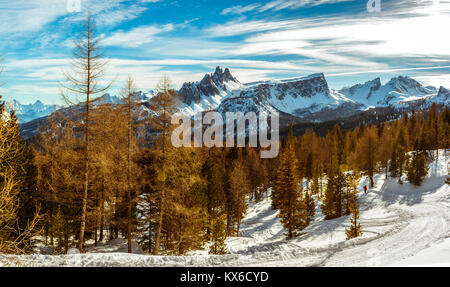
x: 402, y: 225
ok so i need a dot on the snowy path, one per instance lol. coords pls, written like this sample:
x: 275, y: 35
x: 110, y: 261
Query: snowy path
x: 398, y: 221
x: 402, y: 225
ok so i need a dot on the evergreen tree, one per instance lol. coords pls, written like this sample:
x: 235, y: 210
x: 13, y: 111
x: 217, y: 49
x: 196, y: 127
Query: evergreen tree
x: 355, y: 229
x: 310, y: 206
x: 417, y: 167
x: 335, y: 198
x: 217, y: 235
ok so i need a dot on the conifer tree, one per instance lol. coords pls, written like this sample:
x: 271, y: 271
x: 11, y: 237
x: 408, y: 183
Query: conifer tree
x: 417, y: 166
x: 239, y: 187
x: 366, y: 153
x: 14, y: 237
x: 88, y: 68
x: 335, y: 199
x: 163, y: 105
x: 310, y: 206
x: 132, y: 114
x: 217, y: 235
x: 58, y: 230
x: 355, y: 229
x: 288, y: 194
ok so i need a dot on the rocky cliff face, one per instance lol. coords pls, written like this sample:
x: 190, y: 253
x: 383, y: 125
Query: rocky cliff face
x: 210, y: 85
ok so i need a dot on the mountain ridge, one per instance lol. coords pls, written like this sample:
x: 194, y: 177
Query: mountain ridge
x: 303, y: 99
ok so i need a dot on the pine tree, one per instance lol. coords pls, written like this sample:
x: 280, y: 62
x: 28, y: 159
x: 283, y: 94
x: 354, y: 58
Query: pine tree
x: 310, y: 206
x: 417, y: 167
x: 355, y: 229
x: 335, y: 199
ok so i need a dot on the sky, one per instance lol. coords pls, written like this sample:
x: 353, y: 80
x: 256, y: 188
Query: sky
x: 257, y: 39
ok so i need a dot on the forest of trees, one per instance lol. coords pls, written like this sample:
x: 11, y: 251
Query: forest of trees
x: 97, y: 171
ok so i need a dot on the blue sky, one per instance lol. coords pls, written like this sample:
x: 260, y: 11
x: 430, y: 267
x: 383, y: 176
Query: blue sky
x: 256, y: 39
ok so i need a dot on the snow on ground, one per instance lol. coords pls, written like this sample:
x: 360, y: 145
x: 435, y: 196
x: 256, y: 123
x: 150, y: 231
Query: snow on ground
x: 402, y: 225
x: 436, y: 255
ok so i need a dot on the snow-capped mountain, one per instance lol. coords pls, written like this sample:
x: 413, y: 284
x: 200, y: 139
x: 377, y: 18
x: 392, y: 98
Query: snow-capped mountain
x: 302, y: 98
x: 306, y: 99
x: 208, y: 93
x: 26, y: 113
x: 443, y: 96
x: 311, y: 99
x: 398, y: 92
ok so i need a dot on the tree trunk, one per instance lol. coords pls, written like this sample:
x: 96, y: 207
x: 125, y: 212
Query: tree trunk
x: 86, y: 154
x: 158, y: 230
x: 102, y: 214
x: 149, y: 235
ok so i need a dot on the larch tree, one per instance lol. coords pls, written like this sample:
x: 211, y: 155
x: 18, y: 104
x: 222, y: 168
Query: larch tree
x: 132, y: 112
x: 288, y: 194
x: 163, y: 105
x: 239, y: 188
x: 366, y: 154
x: 85, y: 80
x: 13, y: 237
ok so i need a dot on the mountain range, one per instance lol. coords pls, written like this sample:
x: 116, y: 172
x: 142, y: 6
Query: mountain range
x: 300, y: 100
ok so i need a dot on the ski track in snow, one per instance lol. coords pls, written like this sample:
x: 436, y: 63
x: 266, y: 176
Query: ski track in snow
x: 398, y: 221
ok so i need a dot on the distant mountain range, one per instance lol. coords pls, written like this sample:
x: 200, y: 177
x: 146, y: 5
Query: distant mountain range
x: 299, y: 100
x: 308, y: 98
x: 26, y: 113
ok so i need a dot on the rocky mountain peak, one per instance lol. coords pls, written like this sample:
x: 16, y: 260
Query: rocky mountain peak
x: 210, y: 85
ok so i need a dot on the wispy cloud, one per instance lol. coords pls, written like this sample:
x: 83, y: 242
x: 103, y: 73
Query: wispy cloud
x: 364, y: 41
x: 238, y: 9
x: 278, y: 5
x: 295, y: 4
x: 137, y: 36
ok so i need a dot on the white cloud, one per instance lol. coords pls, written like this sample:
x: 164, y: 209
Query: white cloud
x: 137, y: 36
x: 295, y: 4
x: 29, y: 16
x: 240, y: 9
